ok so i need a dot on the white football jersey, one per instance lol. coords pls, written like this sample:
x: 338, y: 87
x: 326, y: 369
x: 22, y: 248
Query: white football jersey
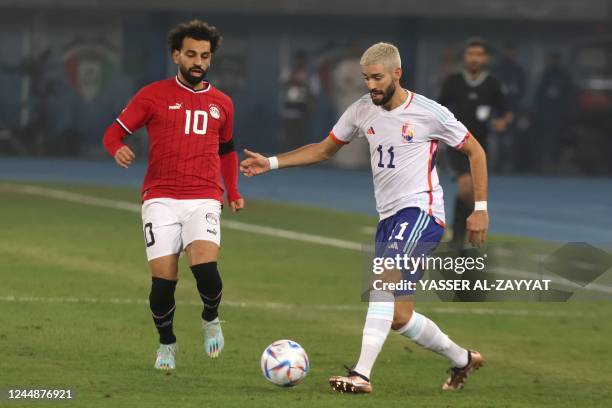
x: 403, y: 146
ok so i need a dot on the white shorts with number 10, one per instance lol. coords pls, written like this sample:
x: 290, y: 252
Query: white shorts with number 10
x: 170, y: 225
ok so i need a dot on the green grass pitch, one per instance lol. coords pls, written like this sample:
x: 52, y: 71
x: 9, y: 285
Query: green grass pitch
x: 73, y: 313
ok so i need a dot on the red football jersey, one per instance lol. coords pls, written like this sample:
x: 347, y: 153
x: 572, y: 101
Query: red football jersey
x: 185, y: 127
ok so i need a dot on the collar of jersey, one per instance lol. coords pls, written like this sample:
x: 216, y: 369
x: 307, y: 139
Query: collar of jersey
x: 401, y: 107
x: 475, y: 82
x: 182, y: 85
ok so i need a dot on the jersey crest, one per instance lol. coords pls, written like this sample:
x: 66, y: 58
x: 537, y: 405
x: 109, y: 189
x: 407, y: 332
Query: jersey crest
x: 407, y: 132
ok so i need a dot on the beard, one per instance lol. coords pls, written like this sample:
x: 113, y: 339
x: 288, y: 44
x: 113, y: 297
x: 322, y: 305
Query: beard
x: 192, y: 79
x: 387, y: 94
x: 475, y: 67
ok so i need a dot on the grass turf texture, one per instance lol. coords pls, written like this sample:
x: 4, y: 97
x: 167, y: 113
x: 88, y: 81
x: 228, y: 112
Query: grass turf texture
x: 554, y: 356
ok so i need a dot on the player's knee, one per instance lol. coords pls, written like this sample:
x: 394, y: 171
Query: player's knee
x: 202, y: 252
x: 208, y: 279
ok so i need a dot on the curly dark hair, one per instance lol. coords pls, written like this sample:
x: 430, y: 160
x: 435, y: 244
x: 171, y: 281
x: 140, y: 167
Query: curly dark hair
x: 196, y: 29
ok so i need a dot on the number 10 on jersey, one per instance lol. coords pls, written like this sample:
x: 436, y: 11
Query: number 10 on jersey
x: 199, y: 123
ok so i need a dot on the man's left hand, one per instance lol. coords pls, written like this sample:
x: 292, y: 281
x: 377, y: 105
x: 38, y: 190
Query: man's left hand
x: 477, y: 226
x: 237, y: 205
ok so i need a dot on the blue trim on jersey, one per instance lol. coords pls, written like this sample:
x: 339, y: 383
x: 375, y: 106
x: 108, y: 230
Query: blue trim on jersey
x: 432, y: 106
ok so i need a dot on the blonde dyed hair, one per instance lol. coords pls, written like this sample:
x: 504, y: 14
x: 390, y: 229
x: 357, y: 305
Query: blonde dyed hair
x: 382, y: 53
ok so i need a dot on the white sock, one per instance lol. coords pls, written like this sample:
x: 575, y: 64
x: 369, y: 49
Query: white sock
x: 375, y: 331
x: 426, y: 333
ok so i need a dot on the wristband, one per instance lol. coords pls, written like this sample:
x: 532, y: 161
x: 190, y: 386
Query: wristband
x: 273, y: 162
x: 480, y: 206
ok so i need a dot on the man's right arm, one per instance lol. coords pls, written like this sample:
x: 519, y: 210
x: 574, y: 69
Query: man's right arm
x: 135, y: 115
x: 345, y: 130
x: 310, y: 154
x: 256, y: 163
x: 113, y: 142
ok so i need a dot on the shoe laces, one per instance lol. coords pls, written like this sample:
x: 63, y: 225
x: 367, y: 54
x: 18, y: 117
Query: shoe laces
x: 212, y: 328
x: 166, y: 350
x: 352, y: 373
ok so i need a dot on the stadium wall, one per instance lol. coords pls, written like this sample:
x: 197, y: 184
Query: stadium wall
x: 66, y: 74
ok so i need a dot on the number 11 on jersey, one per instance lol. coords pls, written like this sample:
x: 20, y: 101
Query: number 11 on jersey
x: 200, y: 122
x: 391, y: 157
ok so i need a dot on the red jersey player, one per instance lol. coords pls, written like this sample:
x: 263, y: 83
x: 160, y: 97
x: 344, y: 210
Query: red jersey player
x: 190, y: 125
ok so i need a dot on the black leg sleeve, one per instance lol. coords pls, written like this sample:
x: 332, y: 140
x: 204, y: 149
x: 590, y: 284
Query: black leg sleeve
x: 210, y: 288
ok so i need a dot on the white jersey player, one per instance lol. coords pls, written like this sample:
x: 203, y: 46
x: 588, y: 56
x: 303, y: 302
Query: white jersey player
x: 404, y: 139
x: 403, y: 130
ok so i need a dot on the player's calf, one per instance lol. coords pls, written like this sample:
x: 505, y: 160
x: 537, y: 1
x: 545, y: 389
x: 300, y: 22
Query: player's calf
x: 426, y: 333
x: 161, y: 302
x: 210, y: 289
x: 210, y: 286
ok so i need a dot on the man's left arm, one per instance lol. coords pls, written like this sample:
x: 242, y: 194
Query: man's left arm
x: 448, y: 129
x: 478, y: 221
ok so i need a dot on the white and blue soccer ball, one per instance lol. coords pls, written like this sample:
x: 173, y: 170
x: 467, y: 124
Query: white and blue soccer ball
x: 284, y: 363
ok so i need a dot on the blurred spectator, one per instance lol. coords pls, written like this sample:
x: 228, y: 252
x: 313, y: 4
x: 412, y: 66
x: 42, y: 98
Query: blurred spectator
x: 297, y: 95
x: 348, y: 86
x: 449, y: 64
x: 513, y: 80
x: 512, y: 77
x: 474, y: 96
x: 552, y: 99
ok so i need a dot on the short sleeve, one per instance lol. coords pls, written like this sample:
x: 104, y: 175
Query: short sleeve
x: 449, y: 130
x: 227, y: 131
x: 137, y: 112
x: 346, y: 129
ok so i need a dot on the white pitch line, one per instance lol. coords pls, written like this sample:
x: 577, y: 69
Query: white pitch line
x: 259, y: 229
x: 230, y: 224
x: 292, y: 307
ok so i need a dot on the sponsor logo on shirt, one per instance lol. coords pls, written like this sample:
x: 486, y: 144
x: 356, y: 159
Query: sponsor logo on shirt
x: 214, y: 111
x: 176, y: 106
x: 371, y: 131
x: 212, y: 231
x: 407, y: 132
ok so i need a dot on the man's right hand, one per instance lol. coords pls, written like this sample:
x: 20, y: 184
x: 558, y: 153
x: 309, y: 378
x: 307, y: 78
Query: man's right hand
x: 254, y: 164
x: 124, y: 156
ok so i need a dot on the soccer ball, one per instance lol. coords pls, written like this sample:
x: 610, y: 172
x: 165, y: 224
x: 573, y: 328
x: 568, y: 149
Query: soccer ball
x: 284, y: 363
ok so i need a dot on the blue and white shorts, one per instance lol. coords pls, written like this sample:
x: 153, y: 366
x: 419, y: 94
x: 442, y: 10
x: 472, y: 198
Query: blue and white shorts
x: 410, y: 231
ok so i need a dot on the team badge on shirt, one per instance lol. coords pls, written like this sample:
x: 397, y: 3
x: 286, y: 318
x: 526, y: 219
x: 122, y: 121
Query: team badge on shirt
x: 212, y: 219
x: 407, y: 132
x: 214, y: 111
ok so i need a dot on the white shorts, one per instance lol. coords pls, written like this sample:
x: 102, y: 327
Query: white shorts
x: 170, y: 225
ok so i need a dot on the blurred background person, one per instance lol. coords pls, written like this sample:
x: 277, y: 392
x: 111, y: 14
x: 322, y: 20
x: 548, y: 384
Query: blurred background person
x: 347, y: 86
x: 552, y: 103
x: 298, y: 90
x: 513, y: 80
x: 473, y: 95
